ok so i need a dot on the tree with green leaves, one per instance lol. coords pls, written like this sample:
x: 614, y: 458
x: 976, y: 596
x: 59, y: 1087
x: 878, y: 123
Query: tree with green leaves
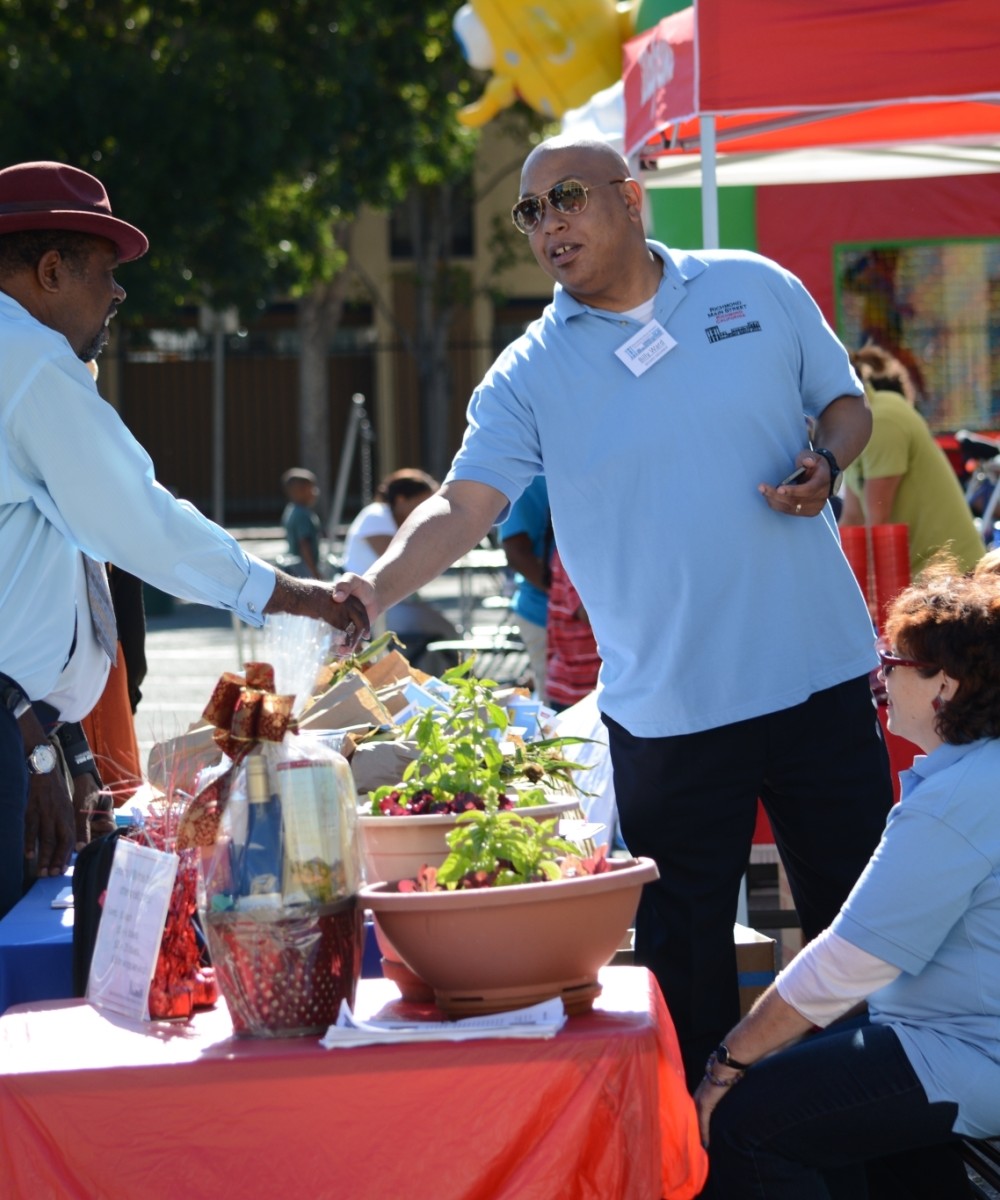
x: 244, y: 138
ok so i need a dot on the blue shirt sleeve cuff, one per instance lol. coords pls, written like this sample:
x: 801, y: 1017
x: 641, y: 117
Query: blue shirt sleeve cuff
x: 256, y: 591
x: 492, y: 479
x: 889, y: 951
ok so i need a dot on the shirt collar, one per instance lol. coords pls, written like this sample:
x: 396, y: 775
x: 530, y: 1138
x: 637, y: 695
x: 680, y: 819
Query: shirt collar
x: 678, y: 268
x: 926, y: 765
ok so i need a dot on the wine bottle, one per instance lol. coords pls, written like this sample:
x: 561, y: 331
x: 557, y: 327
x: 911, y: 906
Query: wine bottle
x: 261, y: 868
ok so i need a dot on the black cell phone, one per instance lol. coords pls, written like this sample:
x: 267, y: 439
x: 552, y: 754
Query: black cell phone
x: 794, y: 475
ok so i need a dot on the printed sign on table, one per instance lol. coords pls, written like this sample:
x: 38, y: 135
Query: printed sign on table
x: 128, y: 938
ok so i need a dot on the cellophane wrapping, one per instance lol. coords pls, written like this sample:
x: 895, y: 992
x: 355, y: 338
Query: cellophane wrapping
x: 183, y: 980
x: 276, y: 824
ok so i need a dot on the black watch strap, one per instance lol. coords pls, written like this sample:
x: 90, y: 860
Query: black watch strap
x: 832, y: 463
x: 725, y: 1059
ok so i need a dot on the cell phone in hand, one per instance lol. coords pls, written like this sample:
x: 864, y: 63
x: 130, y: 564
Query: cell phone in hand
x: 796, y: 474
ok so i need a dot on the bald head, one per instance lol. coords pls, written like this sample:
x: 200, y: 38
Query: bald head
x: 594, y: 156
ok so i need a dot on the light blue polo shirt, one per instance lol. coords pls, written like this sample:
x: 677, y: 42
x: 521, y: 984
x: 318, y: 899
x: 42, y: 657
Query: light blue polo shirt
x: 929, y: 903
x: 708, y: 607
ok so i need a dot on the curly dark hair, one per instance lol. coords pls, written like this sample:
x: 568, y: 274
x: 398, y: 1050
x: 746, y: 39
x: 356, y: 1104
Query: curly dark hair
x: 22, y: 249
x: 953, y: 621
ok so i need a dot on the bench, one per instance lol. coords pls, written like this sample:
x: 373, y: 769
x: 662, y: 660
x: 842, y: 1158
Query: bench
x: 984, y: 1159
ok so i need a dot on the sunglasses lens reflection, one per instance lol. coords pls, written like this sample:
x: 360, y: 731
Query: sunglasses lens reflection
x: 568, y: 197
x: 527, y: 214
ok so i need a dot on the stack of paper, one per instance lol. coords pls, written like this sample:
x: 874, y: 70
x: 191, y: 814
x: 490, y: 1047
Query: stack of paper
x: 539, y: 1021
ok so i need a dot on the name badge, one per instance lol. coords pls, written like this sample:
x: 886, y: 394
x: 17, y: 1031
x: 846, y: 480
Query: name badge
x: 645, y: 348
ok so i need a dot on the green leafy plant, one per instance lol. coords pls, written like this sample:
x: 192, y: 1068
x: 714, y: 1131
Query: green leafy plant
x: 502, y: 849
x: 461, y: 766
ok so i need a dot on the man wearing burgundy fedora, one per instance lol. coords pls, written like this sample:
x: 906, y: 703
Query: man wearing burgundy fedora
x: 77, y: 491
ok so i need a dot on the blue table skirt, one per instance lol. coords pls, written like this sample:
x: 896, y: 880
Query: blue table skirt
x: 36, y: 947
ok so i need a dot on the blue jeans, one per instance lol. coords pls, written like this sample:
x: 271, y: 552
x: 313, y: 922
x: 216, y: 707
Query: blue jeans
x: 840, y: 1116
x: 13, y: 801
x: 690, y: 802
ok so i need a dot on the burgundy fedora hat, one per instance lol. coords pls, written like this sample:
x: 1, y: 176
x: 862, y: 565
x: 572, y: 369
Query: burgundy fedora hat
x: 50, y: 195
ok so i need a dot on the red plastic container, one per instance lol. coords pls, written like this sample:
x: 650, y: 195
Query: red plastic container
x: 880, y: 559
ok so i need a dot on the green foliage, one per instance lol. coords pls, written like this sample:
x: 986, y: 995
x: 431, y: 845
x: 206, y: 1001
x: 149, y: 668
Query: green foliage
x: 459, y: 754
x: 236, y: 135
x: 500, y: 849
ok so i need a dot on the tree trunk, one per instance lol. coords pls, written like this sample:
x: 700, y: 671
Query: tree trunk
x: 319, y: 313
x: 434, y: 299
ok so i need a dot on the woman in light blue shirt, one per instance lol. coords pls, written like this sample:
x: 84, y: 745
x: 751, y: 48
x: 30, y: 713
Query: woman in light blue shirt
x: 874, y: 1107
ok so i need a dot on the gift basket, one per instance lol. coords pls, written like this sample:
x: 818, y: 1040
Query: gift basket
x: 275, y: 825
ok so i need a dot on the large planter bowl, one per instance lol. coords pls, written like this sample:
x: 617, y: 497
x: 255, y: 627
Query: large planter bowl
x: 398, y: 847
x: 486, y: 950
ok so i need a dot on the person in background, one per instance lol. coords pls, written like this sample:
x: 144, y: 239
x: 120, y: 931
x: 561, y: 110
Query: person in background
x: 657, y: 391
x: 412, y: 619
x: 873, y: 1107
x: 65, y: 513
x: 300, y: 522
x: 108, y: 730
x: 902, y: 476
x: 526, y: 539
x: 573, y: 660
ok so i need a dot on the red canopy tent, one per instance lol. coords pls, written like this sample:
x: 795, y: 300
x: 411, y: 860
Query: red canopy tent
x: 785, y: 74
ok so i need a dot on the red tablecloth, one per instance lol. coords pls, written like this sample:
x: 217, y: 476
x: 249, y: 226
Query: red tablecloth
x: 92, y: 1106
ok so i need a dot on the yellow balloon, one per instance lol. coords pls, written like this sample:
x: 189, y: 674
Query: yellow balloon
x: 554, y: 55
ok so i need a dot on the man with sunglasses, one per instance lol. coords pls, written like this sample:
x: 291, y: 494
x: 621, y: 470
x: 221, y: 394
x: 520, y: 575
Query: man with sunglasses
x: 664, y: 395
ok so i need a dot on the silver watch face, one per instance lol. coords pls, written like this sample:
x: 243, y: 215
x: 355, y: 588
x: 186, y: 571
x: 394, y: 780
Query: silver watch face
x: 42, y: 760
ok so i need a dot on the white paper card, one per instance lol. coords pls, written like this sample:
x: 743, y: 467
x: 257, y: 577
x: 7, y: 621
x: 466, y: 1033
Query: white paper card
x: 575, y: 830
x: 128, y: 937
x: 645, y: 348
x: 537, y: 1021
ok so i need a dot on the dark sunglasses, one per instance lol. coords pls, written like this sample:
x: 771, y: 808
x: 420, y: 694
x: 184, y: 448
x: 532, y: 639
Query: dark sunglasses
x: 888, y: 660
x: 568, y: 197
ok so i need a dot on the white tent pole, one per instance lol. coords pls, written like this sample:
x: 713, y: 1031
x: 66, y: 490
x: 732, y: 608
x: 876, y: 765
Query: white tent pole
x: 709, y: 186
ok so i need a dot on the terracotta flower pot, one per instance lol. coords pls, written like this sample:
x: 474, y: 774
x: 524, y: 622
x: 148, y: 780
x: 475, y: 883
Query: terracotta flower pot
x: 397, y: 848
x: 487, y: 950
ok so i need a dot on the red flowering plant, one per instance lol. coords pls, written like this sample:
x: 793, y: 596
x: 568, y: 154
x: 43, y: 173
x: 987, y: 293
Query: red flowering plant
x: 466, y: 762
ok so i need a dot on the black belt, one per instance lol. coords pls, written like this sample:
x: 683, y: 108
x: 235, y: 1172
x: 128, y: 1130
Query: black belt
x: 12, y: 696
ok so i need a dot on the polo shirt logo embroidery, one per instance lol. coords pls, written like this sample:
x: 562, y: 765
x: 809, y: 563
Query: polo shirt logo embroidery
x: 732, y: 310
x: 715, y: 334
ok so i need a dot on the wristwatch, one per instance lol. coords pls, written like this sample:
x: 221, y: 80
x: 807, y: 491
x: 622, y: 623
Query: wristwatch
x: 42, y: 760
x: 725, y: 1059
x: 832, y: 463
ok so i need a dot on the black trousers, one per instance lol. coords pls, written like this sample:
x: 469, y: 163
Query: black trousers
x: 841, y: 1115
x: 690, y: 802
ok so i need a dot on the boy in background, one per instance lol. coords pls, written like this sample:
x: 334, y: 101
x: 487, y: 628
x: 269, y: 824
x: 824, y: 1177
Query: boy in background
x: 300, y: 522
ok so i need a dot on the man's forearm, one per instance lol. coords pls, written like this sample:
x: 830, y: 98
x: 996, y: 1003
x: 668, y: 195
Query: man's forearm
x: 437, y: 533
x: 844, y: 428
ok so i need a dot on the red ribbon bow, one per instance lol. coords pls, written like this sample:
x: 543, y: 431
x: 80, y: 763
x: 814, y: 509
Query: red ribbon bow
x: 246, y: 710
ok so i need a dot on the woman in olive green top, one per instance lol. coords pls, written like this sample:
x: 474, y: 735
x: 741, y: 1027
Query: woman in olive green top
x: 902, y: 476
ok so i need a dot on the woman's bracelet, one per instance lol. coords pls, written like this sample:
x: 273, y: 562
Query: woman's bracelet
x: 714, y: 1080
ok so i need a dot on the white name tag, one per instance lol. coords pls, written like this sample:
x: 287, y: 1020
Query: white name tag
x: 645, y: 348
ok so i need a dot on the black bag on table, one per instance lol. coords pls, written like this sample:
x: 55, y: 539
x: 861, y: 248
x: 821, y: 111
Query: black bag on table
x: 90, y: 879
